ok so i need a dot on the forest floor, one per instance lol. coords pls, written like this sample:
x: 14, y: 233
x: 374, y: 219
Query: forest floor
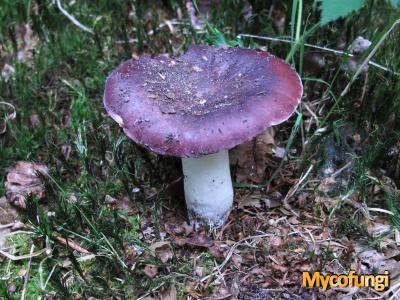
x: 106, y: 219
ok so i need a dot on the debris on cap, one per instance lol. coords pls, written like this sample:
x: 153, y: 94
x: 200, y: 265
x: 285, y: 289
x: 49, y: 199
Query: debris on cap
x: 202, y: 102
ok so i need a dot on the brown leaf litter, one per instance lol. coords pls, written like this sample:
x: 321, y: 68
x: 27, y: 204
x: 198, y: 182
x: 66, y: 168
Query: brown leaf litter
x: 150, y: 271
x: 251, y: 158
x: 23, y: 179
x: 162, y: 250
x: 199, y: 240
x: 26, y: 42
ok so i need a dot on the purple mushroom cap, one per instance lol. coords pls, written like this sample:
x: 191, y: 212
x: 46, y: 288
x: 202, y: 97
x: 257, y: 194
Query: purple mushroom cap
x: 204, y: 101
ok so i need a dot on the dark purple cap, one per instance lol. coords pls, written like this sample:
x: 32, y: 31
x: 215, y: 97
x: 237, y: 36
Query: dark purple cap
x: 204, y: 101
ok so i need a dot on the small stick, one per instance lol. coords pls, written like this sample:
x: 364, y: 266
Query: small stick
x: 218, y: 268
x: 71, y: 244
x: 293, y: 190
x: 11, y: 116
x: 5, y: 226
x: 341, y: 169
x: 317, y: 47
x: 365, y: 88
x: 25, y: 287
x: 21, y: 257
x: 72, y: 18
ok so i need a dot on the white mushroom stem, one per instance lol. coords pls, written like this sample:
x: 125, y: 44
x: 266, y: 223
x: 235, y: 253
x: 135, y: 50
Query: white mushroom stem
x: 208, y: 188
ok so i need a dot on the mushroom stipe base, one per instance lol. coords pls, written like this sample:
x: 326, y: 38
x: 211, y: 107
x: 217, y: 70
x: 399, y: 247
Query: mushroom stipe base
x: 208, y: 188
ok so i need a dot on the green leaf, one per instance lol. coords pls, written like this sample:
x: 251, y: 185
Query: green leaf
x: 334, y: 9
x: 395, y: 2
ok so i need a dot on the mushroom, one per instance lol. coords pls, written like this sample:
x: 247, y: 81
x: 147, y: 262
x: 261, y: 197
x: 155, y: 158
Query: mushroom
x: 197, y: 107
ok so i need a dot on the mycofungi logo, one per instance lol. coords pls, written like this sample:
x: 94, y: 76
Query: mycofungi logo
x: 379, y: 282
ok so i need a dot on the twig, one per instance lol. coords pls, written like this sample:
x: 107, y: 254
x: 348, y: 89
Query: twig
x: 11, y: 116
x: 338, y: 52
x: 28, y: 269
x: 218, y: 268
x: 41, y: 285
x: 72, y: 245
x: 5, y: 226
x: 381, y: 210
x: 114, y: 252
x: 342, y: 169
x: 365, y: 88
x: 21, y: 257
x: 72, y: 18
x: 293, y: 190
x: 311, y: 112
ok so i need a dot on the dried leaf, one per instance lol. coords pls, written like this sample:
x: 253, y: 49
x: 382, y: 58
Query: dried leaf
x: 169, y: 294
x: 251, y: 158
x: 199, y: 240
x: 249, y: 202
x: 376, y: 261
x: 279, y: 19
x: 237, y: 260
x: 8, y: 213
x: 375, y: 230
x: 26, y: 43
x: 279, y: 268
x: 150, y: 271
x: 66, y: 150
x: 275, y: 241
x: 7, y: 71
x: 22, y: 179
x: 34, y: 119
x: 198, y: 271
x: 162, y: 250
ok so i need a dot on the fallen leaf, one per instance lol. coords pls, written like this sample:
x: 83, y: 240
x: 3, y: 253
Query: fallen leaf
x: 26, y: 43
x: 8, y: 213
x: 22, y: 272
x: 8, y: 218
x: 279, y: 268
x: 279, y: 19
x: 359, y: 45
x: 34, y: 119
x: 251, y: 158
x: 273, y: 200
x: 7, y: 71
x: 376, y: 261
x: 249, y: 202
x: 279, y: 152
x: 221, y: 292
x: 150, y: 271
x: 275, y: 241
x: 66, y: 150
x: 162, y: 250
x: 169, y: 293
x: 199, y: 240
x: 22, y: 179
x: 375, y: 230
x: 198, y: 271
x: 237, y: 260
